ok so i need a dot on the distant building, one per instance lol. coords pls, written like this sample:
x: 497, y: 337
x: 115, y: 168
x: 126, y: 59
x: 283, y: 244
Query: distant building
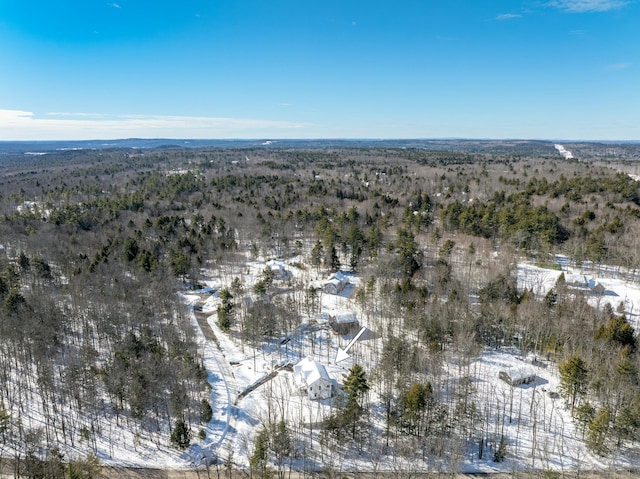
x: 312, y: 377
x: 344, y: 322
x: 517, y: 376
x: 278, y: 269
x: 576, y: 280
x: 583, y: 282
x: 596, y: 288
x: 336, y: 283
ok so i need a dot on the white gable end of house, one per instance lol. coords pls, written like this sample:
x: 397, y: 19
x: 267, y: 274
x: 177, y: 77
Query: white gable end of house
x: 312, y: 376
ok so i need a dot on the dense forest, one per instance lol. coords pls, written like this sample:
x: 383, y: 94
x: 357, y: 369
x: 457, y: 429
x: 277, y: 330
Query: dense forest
x: 96, y: 245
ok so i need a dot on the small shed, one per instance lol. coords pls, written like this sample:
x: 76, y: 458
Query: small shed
x: 517, y: 376
x: 344, y: 322
x: 336, y: 283
x: 312, y: 377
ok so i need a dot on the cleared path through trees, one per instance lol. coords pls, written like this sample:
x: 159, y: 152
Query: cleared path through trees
x: 224, y: 373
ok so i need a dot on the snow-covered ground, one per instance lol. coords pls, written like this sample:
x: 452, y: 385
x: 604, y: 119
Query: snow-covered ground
x: 564, y: 152
x: 616, y: 291
x: 537, y: 425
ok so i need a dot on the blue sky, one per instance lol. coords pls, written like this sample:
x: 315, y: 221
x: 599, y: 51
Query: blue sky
x: 94, y: 69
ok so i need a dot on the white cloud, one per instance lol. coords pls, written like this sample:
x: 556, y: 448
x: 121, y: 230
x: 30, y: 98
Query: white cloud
x: 114, y: 5
x: 508, y: 16
x: 579, y: 6
x: 618, y: 66
x: 24, y: 125
x: 75, y: 114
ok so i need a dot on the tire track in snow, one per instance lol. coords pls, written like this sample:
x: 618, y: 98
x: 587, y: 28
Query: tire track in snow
x: 223, y: 370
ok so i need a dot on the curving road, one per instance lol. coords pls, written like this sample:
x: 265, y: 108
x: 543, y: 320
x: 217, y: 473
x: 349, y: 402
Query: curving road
x: 222, y: 371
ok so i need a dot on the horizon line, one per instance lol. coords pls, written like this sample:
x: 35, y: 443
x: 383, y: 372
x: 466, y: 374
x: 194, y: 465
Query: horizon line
x: 445, y: 138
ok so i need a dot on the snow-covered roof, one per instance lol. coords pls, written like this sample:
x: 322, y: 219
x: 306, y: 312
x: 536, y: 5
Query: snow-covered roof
x: 336, y: 282
x: 277, y: 267
x: 576, y: 280
x: 583, y: 281
x: 345, y: 317
x: 519, y: 373
x: 309, y: 371
x: 596, y: 286
x: 340, y: 276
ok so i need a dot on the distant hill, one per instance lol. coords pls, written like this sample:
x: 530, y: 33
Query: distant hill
x: 22, y: 147
x: 517, y: 147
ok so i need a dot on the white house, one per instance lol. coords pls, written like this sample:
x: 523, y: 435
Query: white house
x: 311, y: 376
x: 335, y: 283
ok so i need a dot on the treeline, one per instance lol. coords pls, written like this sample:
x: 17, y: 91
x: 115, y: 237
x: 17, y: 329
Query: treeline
x: 512, y: 218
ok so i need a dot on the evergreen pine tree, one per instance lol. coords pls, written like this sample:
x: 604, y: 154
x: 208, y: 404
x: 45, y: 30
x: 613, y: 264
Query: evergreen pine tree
x: 573, y: 378
x: 258, y: 460
x: 181, y: 435
x: 597, y: 432
x: 206, y: 413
